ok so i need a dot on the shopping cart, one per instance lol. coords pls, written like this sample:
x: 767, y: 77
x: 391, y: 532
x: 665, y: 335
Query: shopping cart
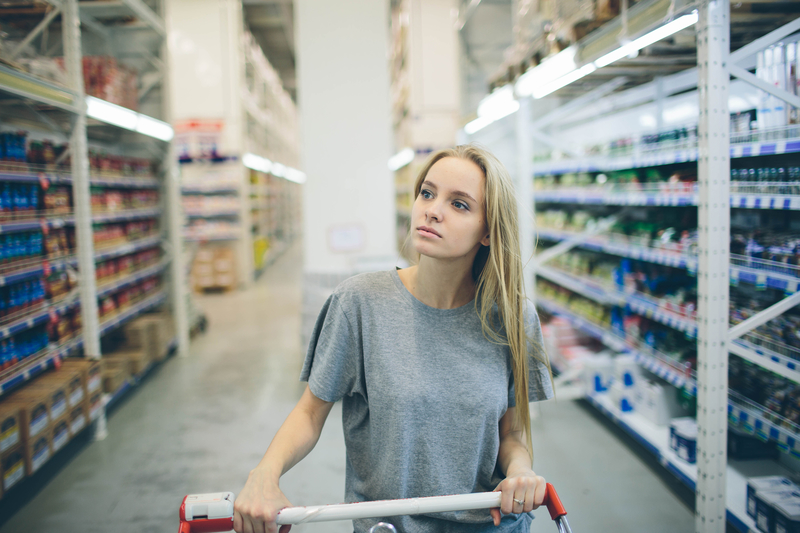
x: 208, y: 513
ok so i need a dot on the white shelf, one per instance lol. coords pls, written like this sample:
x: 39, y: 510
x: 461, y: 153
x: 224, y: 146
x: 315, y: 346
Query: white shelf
x: 653, y: 158
x: 666, y: 199
x: 43, y: 92
x: 656, y: 440
x: 35, y: 365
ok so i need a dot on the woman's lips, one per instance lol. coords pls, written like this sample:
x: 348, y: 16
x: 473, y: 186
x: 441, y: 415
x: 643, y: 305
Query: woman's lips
x: 428, y: 232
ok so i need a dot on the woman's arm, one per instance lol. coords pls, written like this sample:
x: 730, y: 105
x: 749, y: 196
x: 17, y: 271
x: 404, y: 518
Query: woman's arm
x: 521, y: 481
x: 257, y: 505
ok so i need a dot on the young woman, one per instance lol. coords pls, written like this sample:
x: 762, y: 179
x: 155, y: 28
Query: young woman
x: 435, y: 365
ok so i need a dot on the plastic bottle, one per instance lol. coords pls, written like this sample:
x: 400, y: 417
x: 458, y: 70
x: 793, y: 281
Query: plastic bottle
x: 779, y: 111
x: 762, y: 113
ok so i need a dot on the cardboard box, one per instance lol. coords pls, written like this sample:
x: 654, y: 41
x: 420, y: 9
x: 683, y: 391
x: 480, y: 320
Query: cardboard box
x: 57, y: 396
x: 766, y: 484
x: 10, y: 427
x: 61, y: 433
x: 137, y: 359
x: 115, y: 373
x: 90, y: 371
x: 37, y: 451
x: 34, y: 411
x: 12, y: 467
x: 72, y: 379
x: 95, y: 405
x: 78, y: 418
x: 151, y: 333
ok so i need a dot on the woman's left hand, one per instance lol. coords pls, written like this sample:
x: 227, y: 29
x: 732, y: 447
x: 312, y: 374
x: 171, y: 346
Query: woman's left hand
x: 523, y: 486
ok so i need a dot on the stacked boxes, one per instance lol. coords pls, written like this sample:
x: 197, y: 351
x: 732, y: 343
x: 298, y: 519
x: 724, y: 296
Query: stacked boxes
x: 214, y: 268
x: 150, y: 334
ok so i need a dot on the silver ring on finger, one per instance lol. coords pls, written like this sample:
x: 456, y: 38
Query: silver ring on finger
x: 521, y: 502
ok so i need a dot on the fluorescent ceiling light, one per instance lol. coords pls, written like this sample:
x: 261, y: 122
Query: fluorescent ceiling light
x: 278, y: 170
x: 262, y: 164
x: 401, y: 159
x: 547, y: 71
x: 125, y: 118
x: 543, y: 90
x: 256, y: 162
x: 295, y: 175
x: 561, y: 69
x: 646, y: 40
x: 493, y: 107
x: 154, y: 128
x: 111, y: 113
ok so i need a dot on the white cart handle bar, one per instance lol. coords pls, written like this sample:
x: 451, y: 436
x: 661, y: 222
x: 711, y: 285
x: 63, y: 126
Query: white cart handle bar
x: 209, y: 513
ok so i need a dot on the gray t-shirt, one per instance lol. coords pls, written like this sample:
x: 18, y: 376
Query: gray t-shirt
x: 422, y: 395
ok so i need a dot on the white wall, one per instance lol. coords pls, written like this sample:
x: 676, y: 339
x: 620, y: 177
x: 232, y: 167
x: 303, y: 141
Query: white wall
x: 343, y: 97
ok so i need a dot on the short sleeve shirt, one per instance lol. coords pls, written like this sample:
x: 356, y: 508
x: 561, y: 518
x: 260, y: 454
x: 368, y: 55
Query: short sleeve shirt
x: 422, y: 391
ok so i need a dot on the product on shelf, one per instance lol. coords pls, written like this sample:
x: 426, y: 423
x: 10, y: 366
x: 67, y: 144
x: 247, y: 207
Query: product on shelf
x: 214, y: 267
x: 16, y: 247
x: 683, y: 438
x: 105, y: 78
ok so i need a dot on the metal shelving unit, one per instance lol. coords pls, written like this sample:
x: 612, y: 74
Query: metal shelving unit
x: 70, y: 114
x: 719, y: 484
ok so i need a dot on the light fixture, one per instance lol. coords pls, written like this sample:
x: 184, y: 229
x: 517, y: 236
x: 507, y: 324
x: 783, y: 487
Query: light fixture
x: 262, y: 164
x: 561, y: 69
x: 128, y: 119
x: 654, y: 36
x: 401, y: 159
x: 154, y: 128
x: 256, y: 162
x: 497, y: 105
x: 547, y: 71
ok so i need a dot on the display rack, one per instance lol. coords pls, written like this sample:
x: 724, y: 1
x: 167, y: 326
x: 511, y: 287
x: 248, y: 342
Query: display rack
x: 240, y: 183
x: 574, y: 282
x: 116, y: 206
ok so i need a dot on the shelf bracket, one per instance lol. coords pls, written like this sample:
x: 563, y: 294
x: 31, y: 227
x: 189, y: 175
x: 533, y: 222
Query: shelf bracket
x: 565, y: 246
x: 765, y: 41
x: 148, y: 15
x: 765, y: 362
x: 573, y: 105
x: 750, y: 78
x: 763, y: 317
x: 53, y: 13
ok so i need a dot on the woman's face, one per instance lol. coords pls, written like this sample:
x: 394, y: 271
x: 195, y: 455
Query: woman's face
x: 447, y: 219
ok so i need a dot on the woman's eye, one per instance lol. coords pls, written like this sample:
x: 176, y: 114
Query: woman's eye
x: 426, y: 194
x: 460, y: 205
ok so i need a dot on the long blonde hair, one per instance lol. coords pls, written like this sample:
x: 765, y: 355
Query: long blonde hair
x: 498, y: 272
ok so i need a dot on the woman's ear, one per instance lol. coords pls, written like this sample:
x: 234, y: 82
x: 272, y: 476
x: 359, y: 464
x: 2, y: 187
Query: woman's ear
x: 485, y: 240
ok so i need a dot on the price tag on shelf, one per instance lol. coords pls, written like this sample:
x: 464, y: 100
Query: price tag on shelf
x: 761, y: 282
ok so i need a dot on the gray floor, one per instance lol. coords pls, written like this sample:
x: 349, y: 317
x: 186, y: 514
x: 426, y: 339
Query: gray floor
x: 199, y: 424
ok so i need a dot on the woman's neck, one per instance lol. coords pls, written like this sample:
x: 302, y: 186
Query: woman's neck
x: 439, y: 284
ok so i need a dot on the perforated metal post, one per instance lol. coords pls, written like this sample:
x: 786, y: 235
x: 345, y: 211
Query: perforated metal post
x: 524, y: 190
x: 713, y: 49
x: 79, y: 154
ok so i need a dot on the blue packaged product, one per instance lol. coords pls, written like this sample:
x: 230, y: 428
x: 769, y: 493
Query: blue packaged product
x: 766, y: 484
x: 765, y: 507
x: 6, y: 198
x: 34, y: 197
x: 787, y: 515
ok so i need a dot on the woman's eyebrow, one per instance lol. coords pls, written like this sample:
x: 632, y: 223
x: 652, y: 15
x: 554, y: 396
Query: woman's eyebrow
x: 456, y: 193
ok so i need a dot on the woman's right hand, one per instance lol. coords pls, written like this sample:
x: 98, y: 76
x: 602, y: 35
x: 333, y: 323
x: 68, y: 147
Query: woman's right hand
x: 256, y: 507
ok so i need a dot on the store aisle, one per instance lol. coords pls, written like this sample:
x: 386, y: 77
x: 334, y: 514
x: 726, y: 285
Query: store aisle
x: 199, y: 424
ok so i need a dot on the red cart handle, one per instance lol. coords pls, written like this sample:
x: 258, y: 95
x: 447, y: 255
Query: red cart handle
x: 553, y: 502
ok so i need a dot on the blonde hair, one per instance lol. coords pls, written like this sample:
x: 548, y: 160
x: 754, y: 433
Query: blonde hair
x: 497, y: 270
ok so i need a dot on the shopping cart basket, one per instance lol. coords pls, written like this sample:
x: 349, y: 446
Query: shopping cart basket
x: 208, y: 513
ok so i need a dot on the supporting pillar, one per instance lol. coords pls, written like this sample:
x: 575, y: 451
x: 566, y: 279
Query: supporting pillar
x: 713, y: 50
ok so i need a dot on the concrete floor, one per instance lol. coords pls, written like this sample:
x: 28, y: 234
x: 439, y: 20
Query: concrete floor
x: 199, y: 424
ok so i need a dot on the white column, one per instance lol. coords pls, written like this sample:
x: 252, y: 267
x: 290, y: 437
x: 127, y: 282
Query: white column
x: 713, y: 49
x: 79, y: 155
x: 343, y: 93
x: 524, y: 189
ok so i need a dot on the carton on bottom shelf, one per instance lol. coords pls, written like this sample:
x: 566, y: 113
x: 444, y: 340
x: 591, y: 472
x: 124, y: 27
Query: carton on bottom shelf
x: 115, y: 373
x: 72, y: 381
x: 34, y: 412
x: 61, y: 433
x: 56, y: 396
x: 78, y: 418
x: 214, y: 267
x: 152, y: 333
x: 37, y: 451
x: 12, y: 466
x: 89, y: 370
x: 10, y: 431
